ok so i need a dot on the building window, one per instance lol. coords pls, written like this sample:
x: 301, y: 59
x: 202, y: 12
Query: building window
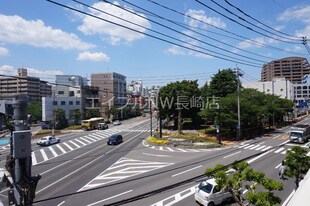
x: 63, y: 103
x: 54, y: 102
x: 268, y: 90
x: 70, y: 102
x: 77, y: 102
x: 281, y: 90
x: 71, y: 93
x: 61, y: 92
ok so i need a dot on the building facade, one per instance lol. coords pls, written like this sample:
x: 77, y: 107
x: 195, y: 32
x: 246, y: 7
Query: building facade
x: 292, y: 68
x: 33, y: 87
x: 278, y: 86
x: 112, y: 90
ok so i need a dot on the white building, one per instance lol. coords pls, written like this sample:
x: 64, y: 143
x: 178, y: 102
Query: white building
x: 279, y: 87
x: 68, y: 104
x: 135, y: 88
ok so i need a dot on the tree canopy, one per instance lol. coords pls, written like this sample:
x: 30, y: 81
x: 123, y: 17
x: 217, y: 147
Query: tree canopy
x: 260, y: 188
x: 35, y: 109
x: 223, y: 83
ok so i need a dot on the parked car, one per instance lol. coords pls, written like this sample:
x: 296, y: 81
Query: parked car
x: 48, y: 140
x: 102, y: 126
x: 115, y: 139
x: 208, y: 193
x: 117, y: 122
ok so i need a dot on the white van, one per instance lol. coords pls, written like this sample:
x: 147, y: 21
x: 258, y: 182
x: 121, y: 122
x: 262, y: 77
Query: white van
x: 208, y: 194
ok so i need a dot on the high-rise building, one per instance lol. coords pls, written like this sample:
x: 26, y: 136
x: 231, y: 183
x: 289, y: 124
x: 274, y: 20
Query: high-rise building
x: 33, y: 87
x: 112, y: 90
x: 292, y: 68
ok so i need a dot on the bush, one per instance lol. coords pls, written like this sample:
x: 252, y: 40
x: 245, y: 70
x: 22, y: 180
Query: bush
x: 73, y: 127
x: 157, y: 140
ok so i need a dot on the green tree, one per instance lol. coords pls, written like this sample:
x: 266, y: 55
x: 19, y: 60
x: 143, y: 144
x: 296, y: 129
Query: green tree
x: 246, y: 177
x: 60, y: 118
x: 91, y: 113
x: 76, y: 115
x: 297, y: 164
x: 175, y: 100
x: 35, y: 109
x: 223, y: 83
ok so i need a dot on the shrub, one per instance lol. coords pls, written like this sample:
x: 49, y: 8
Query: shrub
x: 157, y: 140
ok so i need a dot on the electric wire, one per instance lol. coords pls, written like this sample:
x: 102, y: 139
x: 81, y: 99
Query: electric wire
x: 155, y: 37
x: 247, y: 27
x: 174, y: 30
x: 185, y: 26
x: 258, y: 21
x: 240, y: 37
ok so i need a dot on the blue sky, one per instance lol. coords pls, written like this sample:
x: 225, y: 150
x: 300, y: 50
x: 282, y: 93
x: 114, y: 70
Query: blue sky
x: 48, y: 39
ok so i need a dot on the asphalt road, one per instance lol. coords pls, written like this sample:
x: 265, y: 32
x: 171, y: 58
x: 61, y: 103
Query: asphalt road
x: 84, y: 170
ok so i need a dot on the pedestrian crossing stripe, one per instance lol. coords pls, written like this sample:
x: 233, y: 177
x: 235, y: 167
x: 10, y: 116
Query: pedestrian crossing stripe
x: 123, y: 168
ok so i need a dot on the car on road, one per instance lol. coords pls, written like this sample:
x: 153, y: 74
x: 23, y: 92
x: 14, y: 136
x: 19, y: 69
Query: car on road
x: 115, y: 139
x: 117, y: 122
x: 48, y: 140
x: 102, y: 126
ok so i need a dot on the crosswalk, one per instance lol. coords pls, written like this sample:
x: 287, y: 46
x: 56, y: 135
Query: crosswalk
x: 123, y: 168
x: 175, y: 149
x: 263, y: 148
x: 53, y: 151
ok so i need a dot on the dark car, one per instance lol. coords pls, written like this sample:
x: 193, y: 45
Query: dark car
x: 115, y: 139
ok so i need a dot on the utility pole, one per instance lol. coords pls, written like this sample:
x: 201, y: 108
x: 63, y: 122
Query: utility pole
x: 150, y: 103
x: 219, y: 138
x: 19, y: 161
x: 238, y: 102
x: 159, y: 111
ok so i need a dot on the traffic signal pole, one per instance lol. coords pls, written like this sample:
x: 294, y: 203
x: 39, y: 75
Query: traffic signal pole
x: 19, y: 161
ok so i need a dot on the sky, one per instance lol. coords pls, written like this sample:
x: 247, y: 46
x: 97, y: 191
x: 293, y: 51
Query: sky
x: 157, y: 41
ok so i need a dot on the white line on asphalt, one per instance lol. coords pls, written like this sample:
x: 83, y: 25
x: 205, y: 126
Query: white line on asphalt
x: 260, y: 147
x: 186, y: 171
x: 259, y: 156
x: 82, y: 138
x: 277, y: 136
x: 160, y: 148
x: 90, y: 138
x: 3, y: 196
x: 177, y: 197
x: 278, y: 166
x: 254, y: 147
x: 34, y: 160
x: 44, y: 154
x: 70, y: 148
x: 78, y: 146
x: 182, y: 150
x: 53, y: 151
x: 266, y: 148
x: 156, y: 155
x: 168, y: 148
x: 288, y: 198
x: 244, y: 145
x: 279, y: 150
x: 61, y: 149
x: 231, y: 154
x: 80, y: 142
x: 283, y: 143
x: 245, y: 191
x: 61, y: 203
x: 110, y: 198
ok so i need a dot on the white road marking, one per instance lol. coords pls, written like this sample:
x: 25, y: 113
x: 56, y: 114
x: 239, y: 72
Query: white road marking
x: 244, y: 145
x: 70, y: 148
x: 78, y: 146
x: 232, y: 154
x: 156, y: 155
x: 95, y: 203
x: 80, y: 142
x: 61, y: 149
x: 279, y: 150
x: 61, y: 203
x: 186, y: 171
x: 44, y: 154
x: 182, y: 150
x: 259, y: 156
x: 34, y: 160
x: 82, y: 138
x: 283, y: 143
x: 168, y: 148
x: 288, y: 198
x: 278, y: 166
x: 90, y: 139
x: 266, y: 148
x: 255, y: 147
x: 53, y: 151
x: 261, y: 147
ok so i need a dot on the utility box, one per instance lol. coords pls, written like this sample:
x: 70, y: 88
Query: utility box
x: 21, y: 144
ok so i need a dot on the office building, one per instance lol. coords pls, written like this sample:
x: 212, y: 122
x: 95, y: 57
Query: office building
x: 292, y: 68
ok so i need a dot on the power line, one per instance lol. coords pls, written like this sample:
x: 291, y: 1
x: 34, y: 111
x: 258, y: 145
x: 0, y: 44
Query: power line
x: 249, y: 28
x: 226, y: 31
x: 155, y: 37
x: 174, y: 30
x: 230, y: 4
x: 189, y: 28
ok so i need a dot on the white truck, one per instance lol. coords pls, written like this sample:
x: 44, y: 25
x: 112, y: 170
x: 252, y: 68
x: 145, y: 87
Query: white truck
x: 300, y: 133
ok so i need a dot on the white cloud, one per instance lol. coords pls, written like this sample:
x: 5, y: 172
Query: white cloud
x: 114, y: 33
x: 4, y: 51
x: 47, y: 75
x: 298, y: 13
x: 175, y: 50
x: 16, y: 30
x: 249, y: 44
x: 200, y: 15
x: 95, y: 56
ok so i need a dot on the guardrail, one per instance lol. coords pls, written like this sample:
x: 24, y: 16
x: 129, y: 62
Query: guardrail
x: 4, y: 132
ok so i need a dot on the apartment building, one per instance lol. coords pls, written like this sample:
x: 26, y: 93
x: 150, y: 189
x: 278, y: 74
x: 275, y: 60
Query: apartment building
x: 112, y: 90
x: 23, y: 84
x: 292, y: 68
